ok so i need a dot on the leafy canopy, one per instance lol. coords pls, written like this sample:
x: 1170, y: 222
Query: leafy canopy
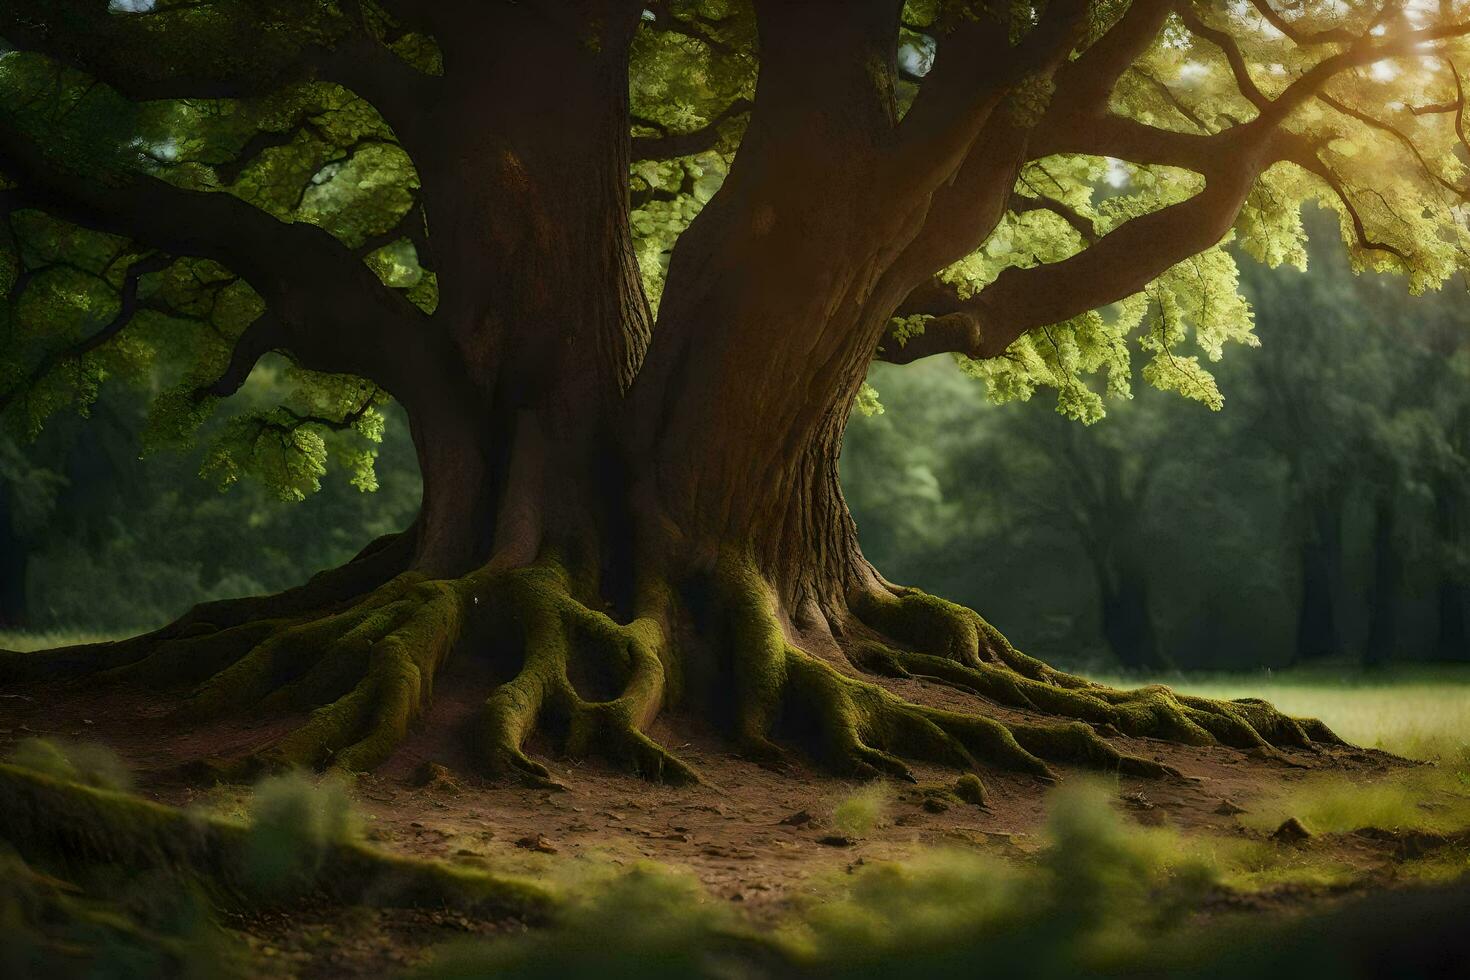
x: 1382, y: 147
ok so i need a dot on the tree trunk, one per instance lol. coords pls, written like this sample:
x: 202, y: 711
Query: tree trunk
x: 13, y: 561
x: 1127, y: 622
x: 1388, y: 575
x: 624, y: 518
x: 1452, y: 596
x: 1317, y: 635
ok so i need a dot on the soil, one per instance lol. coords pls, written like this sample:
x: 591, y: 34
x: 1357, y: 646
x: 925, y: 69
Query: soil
x: 756, y: 836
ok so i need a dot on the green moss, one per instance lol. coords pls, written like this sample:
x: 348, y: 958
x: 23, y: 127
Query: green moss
x: 76, y: 827
x: 970, y: 789
x: 78, y: 762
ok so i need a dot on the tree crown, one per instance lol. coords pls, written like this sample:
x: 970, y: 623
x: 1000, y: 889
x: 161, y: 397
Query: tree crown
x: 188, y: 187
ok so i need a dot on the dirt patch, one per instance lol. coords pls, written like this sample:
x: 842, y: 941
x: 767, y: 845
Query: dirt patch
x: 755, y: 836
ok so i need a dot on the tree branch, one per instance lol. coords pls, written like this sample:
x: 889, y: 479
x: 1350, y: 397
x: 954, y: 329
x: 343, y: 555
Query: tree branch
x: 1231, y: 50
x: 127, y: 309
x: 952, y: 333
x: 1309, y: 160
x: 670, y: 145
x: 340, y: 316
x: 1122, y: 263
x: 264, y: 335
x: 240, y: 53
x: 1080, y: 223
x: 1333, y: 35
x: 974, y: 69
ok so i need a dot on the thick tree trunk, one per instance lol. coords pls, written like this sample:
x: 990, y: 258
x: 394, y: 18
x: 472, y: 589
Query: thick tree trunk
x: 517, y: 431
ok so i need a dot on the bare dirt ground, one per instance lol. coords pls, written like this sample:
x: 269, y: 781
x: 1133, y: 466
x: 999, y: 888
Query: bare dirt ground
x: 751, y: 835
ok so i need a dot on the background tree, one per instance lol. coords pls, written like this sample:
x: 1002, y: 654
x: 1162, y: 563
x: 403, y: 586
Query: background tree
x: 376, y: 190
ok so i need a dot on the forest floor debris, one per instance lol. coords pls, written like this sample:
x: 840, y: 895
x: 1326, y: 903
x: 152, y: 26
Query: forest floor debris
x: 760, y: 850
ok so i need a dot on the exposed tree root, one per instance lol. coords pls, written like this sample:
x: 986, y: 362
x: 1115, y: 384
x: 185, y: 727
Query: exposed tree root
x: 365, y: 672
x: 364, y: 669
x: 859, y: 728
x: 926, y: 637
x: 565, y: 645
x: 380, y: 561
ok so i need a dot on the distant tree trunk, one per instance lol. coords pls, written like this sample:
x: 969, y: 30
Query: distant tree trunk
x: 1127, y: 619
x: 1317, y: 633
x: 13, y: 560
x: 1452, y: 598
x: 1388, y: 576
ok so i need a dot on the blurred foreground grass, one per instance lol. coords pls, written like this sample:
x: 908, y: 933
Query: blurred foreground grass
x: 1100, y: 897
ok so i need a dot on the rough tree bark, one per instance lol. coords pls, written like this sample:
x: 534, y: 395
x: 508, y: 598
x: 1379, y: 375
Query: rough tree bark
x: 628, y: 515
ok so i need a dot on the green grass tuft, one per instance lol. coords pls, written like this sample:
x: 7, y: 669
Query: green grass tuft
x: 77, y: 762
x: 863, y: 810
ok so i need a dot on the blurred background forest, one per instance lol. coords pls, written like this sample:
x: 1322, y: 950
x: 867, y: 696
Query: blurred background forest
x: 1323, y: 516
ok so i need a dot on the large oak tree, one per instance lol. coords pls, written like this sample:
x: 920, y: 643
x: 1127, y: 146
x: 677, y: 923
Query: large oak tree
x: 625, y: 265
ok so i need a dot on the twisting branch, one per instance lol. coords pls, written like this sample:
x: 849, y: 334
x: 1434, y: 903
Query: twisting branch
x: 1331, y: 35
x: 1231, y: 50
x: 1402, y: 138
x: 127, y: 309
x: 1309, y: 160
x: 667, y: 146
x: 341, y: 317
x: 1080, y: 223
x: 1120, y: 264
x: 262, y: 336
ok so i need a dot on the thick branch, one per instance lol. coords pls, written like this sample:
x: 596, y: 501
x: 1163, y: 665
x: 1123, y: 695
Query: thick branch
x: 952, y: 333
x: 1122, y: 263
x: 340, y: 316
x: 667, y: 146
x: 241, y: 51
x: 1086, y: 84
x: 975, y: 69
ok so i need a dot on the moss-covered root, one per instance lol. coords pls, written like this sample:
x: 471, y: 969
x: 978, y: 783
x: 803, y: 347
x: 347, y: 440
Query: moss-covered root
x: 860, y: 728
x: 218, y: 631
x: 940, y: 641
x: 71, y: 826
x: 364, y: 671
x: 596, y: 682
